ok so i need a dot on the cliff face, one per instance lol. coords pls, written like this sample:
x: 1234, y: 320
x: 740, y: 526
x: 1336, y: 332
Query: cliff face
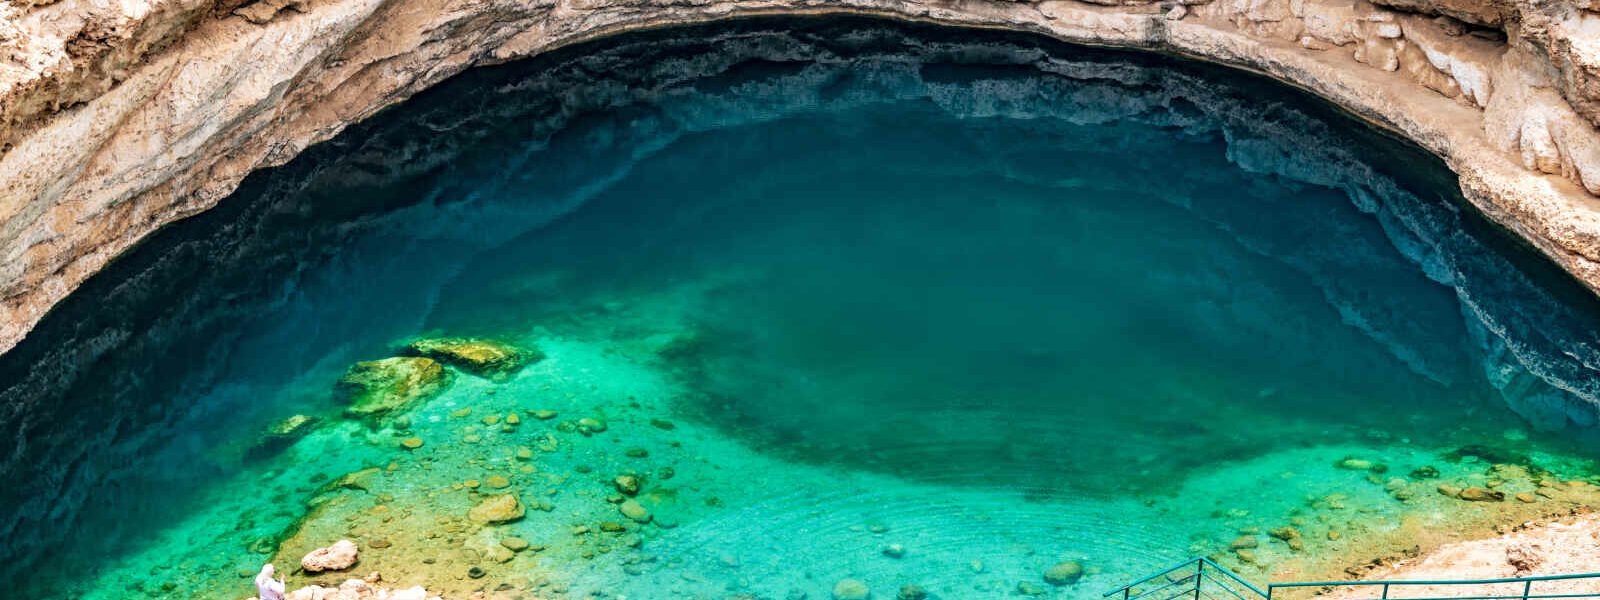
x: 118, y: 118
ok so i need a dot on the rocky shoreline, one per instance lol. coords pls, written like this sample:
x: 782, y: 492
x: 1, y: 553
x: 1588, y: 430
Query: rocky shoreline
x: 117, y: 120
x: 469, y: 507
x: 1560, y: 545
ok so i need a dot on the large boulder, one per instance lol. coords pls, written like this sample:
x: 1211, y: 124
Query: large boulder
x: 377, y: 388
x: 489, y: 359
x: 338, y: 557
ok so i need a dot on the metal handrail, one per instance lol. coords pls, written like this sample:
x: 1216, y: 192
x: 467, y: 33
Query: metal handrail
x: 1193, y: 584
x: 1437, y: 581
x: 1236, y: 577
x: 1527, y: 586
x: 1146, y: 579
x: 1168, y: 585
x: 1224, y: 586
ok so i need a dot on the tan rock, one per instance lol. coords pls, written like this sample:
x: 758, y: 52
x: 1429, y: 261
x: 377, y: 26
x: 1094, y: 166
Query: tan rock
x: 503, y: 508
x: 1478, y: 494
x: 338, y: 557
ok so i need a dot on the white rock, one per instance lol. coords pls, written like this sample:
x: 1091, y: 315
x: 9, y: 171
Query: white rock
x: 338, y: 557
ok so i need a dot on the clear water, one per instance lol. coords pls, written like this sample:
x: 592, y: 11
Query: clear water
x: 996, y: 301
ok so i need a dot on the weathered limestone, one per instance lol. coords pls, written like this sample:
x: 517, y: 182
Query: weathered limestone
x: 374, y: 389
x: 338, y: 557
x: 485, y: 358
x: 1562, y: 546
x: 116, y: 119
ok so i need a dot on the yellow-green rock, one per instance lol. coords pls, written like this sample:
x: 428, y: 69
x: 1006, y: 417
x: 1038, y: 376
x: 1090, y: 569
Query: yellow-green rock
x: 376, y: 388
x: 485, y: 358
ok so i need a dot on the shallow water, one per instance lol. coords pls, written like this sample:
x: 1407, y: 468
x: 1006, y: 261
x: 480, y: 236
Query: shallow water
x: 999, y: 302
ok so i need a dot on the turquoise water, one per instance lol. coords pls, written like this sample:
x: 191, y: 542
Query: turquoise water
x: 995, y: 302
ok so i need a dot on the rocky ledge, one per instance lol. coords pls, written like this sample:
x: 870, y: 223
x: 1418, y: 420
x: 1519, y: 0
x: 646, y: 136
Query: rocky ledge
x: 119, y: 118
x: 1557, y: 547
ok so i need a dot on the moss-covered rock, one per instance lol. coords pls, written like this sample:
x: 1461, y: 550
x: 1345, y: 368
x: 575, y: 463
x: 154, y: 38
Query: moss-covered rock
x: 378, y: 388
x: 485, y: 358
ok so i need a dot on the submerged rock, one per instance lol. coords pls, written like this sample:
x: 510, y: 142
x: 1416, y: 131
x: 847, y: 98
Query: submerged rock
x: 354, y: 480
x: 1355, y: 464
x: 1478, y: 494
x: 632, y: 509
x: 515, y: 544
x: 282, y: 434
x: 627, y: 484
x: 489, y: 359
x: 1290, y: 536
x: 1063, y: 573
x: 504, y: 508
x: 851, y: 589
x: 338, y: 557
x: 377, y: 388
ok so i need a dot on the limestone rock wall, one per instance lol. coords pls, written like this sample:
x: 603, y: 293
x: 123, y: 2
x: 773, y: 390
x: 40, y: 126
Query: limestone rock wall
x: 117, y: 118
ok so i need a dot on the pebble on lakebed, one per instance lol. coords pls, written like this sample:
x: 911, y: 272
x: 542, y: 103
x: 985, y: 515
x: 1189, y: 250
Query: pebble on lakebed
x: 851, y: 589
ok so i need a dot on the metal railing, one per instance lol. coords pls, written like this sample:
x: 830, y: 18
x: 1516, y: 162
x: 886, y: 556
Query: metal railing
x: 1520, y: 588
x: 1196, y: 579
x: 1202, y: 579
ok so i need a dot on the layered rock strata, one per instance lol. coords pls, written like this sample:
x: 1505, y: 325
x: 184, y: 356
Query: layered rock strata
x: 119, y: 118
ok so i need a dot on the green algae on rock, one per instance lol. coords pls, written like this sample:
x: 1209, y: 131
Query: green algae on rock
x: 492, y: 360
x: 377, y: 388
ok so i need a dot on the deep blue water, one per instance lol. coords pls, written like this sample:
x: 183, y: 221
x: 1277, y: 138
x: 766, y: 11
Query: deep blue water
x: 986, y: 297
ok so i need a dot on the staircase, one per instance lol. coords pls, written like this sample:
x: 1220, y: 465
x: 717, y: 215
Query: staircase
x: 1202, y: 579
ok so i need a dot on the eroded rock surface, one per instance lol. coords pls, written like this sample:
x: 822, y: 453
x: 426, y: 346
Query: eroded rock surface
x: 1558, y: 547
x: 119, y: 118
x: 337, y: 557
x: 485, y: 358
x: 377, y: 388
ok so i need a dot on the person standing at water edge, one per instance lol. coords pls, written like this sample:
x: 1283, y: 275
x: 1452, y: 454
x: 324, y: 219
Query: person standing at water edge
x: 268, y: 588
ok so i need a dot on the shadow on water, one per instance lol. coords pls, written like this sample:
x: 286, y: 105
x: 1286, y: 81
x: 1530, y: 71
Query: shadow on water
x: 118, y: 401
